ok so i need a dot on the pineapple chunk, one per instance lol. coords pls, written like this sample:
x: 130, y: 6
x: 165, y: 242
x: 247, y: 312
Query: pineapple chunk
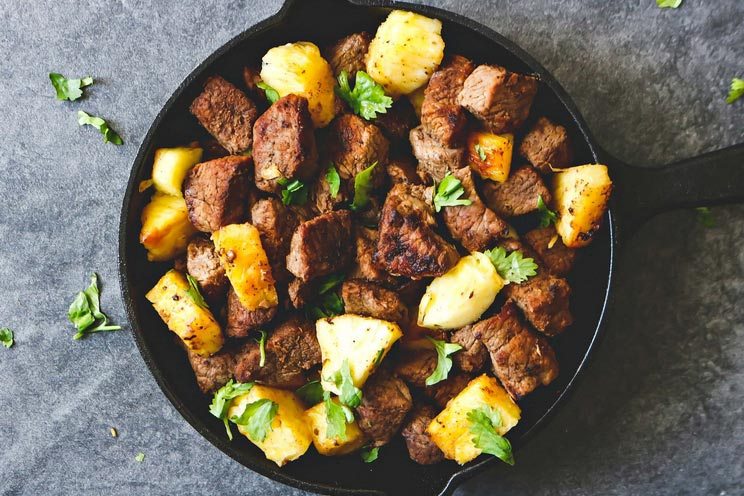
x: 315, y: 418
x: 171, y: 166
x: 166, y: 228
x: 405, y: 52
x: 298, y: 68
x: 450, y: 430
x: 196, y: 326
x: 580, y: 195
x: 289, y: 437
x: 461, y: 295
x: 363, y: 341
x: 246, y: 265
x: 490, y: 155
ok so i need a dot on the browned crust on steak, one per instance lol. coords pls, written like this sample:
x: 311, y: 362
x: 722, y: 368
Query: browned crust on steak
x: 443, y: 119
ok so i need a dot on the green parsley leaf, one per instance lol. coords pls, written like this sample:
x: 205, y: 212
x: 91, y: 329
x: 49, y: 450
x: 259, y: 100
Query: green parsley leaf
x: 736, y: 91
x: 369, y: 454
x: 271, y: 94
x: 330, y: 305
x: 668, y: 4
x: 109, y: 135
x: 6, y: 337
x: 222, y: 398
x: 85, y: 311
x: 449, y: 192
x: 547, y: 216
x: 337, y: 416
x: 483, y: 424
x: 311, y: 393
x: 139, y: 457
x: 349, y: 395
x: 362, y: 187
x: 511, y: 268
x: 194, y: 292
x: 257, y: 417
x: 480, y: 151
x: 367, y: 99
x: 262, y: 348
x: 69, y: 89
x: 444, y: 363
x: 294, y: 192
x: 333, y: 180
x: 330, y: 282
x: 705, y: 217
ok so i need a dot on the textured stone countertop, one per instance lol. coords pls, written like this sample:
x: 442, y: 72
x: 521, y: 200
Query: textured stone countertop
x: 660, y: 409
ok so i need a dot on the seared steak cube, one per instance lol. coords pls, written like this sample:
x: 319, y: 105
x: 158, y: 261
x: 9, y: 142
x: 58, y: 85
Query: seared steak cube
x: 203, y: 264
x: 475, y: 226
x: 420, y: 446
x: 547, y: 145
x: 557, y: 257
x: 214, y: 371
x: 354, y: 144
x: 402, y: 170
x: 240, y: 320
x: 442, y: 392
x: 434, y: 159
x: 276, y: 223
x: 216, y: 192
x: 226, y: 113
x: 408, y: 245
x: 414, y: 366
x: 499, y: 98
x: 365, y: 266
x: 321, y: 246
x: 544, y: 300
x: 442, y: 118
x: 521, y: 359
x: 398, y: 121
x: 385, y: 402
x: 473, y: 355
x: 300, y: 292
x: 284, y: 144
x: 372, y: 300
x: 349, y: 54
x: 518, y: 194
x: 321, y: 199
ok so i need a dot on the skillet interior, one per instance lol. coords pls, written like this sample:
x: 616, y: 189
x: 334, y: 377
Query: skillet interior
x: 394, y: 473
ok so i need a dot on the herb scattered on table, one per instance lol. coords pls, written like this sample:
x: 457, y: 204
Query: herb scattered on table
x: 705, y: 217
x: 139, y: 457
x: 85, y: 311
x: 6, y: 337
x: 736, y: 91
x: 69, y: 89
x: 109, y: 135
x: 668, y: 4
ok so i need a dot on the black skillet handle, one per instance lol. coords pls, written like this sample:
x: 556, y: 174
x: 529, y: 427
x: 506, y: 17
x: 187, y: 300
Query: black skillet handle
x: 715, y: 178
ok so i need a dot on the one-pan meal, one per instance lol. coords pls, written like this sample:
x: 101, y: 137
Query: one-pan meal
x: 346, y: 266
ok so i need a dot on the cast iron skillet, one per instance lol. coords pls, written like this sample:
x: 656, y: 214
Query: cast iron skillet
x: 710, y: 179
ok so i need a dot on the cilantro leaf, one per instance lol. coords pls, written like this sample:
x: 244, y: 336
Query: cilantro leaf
x: 222, y: 398
x: 668, y: 4
x: 330, y: 305
x: 333, y: 180
x: 6, y: 337
x: 362, y: 187
x: 139, y: 457
x: 547, y: 216
x: 294, y: 192
x: 337, y: 416
x: 85, y: 311
x: 311, y: 393
x: 449, y: 192
x: 271, y: 94
x: 257, y: 417
x: 480, y: 151
x: 736, y: 91
x: 367, y: 99
x: 262, y: 348
x: 349, y: 394
x: 109, y: 135
x: 511, y: 268
x: 444, y: 362
x: 483, y: 424
x: 369, y: 454
x: 69, y: 89
x: 705, y: 217
x: 194, y: 292
x: 330, y: 282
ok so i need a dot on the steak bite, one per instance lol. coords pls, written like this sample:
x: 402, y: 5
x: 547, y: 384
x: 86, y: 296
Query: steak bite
x: 521, y: 359
x: 499, y: 98
x: 216, y: 192
x: 420, y: 446
x: 385, y: 402
x: 518, y: 194
x: 547, y: 145
x: 398, y: 121
x: 349, y: 54
x: 473, y: 355
x: 372, y: 300
x: 414, y: 366
x: 276, y: 223
x: 321, y: 200
x: 475, y: 226
x: 402, y: 170
x: 354, y: 144
x: 226, y: 113
x: 240, y: 320
x: 203, y: 264
x: 434, y: 160
x: 321, y: 246
x: 441, y: 392
x: 544, y: 300
x: 557, y: 257
x: 442, y: 118
x: 284, y: 144
x: 365, y: 266
x: 291, y: 350
x: 214, y: 371
x: 408, y: 245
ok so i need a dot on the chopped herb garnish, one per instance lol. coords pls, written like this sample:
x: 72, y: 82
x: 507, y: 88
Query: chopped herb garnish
x: 362, y: 187
x: 705, y: 216
x: 513, y: 267
x: 378, y: 357
x: 483, y: 424
x: 337, y: 416
x: 349, y: 394
x: 369, y: 454
x: 736, y: 91
x: 547, y: 216
x: 449, y: 192
x: 262, y: 348
x: 294, y: 192
x: 480, y: 151
x: 311, y: 393
x: 367, y: 99
x: 222, y: 398
x: 109, y: 135
x: 444, y: 362
x: 69, y: 89
x: 271, y: 94
x: 330, y: 305
x: 256, y: 418
x: 333, y: 180
x: 6, y: 337
x: 194, y: 292
x: 330, y: 282
x: 139, y: 457
x: 668, y: 4
x: 85, y: 311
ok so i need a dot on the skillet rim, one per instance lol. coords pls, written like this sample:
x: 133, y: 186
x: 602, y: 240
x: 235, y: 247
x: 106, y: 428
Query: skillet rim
x: 546, y: 78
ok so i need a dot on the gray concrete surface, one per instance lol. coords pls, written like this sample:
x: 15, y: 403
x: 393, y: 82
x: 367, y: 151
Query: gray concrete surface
x: 660, y: 411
